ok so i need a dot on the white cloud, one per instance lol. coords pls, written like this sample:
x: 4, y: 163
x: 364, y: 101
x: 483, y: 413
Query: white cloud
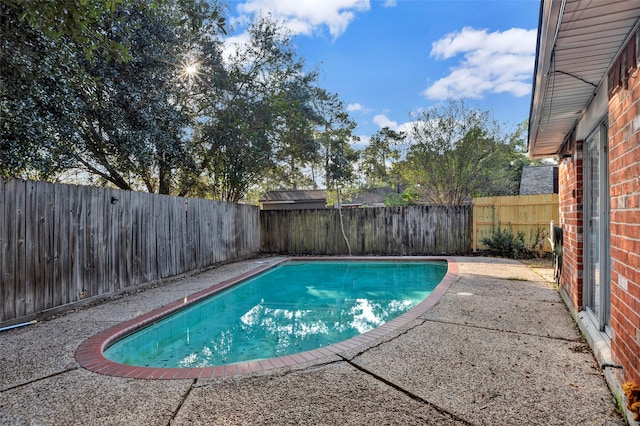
x: 383, y: 121
x: 359, y: 108
x: 233, y: 44
x: 390, y: 3
x: 362, y: 143
x: 309, y: 16
x: 495, y: 62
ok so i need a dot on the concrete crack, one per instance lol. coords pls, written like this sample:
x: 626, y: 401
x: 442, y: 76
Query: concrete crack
x: 182, y: 401
x: 411, y: 395
x: 501, y: 330
x: 385, y: 339
x: 39, y: 379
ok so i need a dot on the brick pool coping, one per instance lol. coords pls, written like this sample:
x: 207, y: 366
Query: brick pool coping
x: 90, y: 353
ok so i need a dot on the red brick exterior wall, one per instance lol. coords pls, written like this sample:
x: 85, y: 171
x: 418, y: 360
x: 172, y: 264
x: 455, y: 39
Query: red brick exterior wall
x: 624, y: 181
x: 570, y: 197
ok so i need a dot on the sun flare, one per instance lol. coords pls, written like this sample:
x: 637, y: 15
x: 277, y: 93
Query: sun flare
x: 191, y: 69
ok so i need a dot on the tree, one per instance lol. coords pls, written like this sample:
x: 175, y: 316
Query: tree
x: 295, y: 148
x: 378, y: 156
x: 504, y: 177
x: 338, y: 155
x: 131, y: 130
x: 456, y: 152
x: 36, y: 99
x: 118, y: 120
x: 83, y: 22
x: 258, y: 124
x: 172, y: 117
x: 75, y: 21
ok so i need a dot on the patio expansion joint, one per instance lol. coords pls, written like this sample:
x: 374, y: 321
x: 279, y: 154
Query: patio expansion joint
x: 502, y: 330
x: 39, y: 379
x: 408, y: 393
x: 313, y: 366
x: 182, y: 401
x: 389, y: 338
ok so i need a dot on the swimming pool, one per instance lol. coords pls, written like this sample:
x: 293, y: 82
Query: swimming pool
x: 260, y: 322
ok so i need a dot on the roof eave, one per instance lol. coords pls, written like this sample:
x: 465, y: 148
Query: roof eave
x: 563, y: 87
x: 547, y: 26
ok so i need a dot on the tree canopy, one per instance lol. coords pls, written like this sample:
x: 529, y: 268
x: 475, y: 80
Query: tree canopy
x: 168, y: 109
x: 86, y: 22
x: 145, y: 95
x: 379, y: 156
x: 457, y: 152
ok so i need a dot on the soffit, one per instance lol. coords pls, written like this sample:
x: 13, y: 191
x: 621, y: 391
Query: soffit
x: 577, y: 42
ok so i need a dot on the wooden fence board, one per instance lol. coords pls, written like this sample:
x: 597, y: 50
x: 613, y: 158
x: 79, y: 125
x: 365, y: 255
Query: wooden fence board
x: 148, y: 221
x: 31, y: 246
x: 43, y: 249
x: 197, y: 214
x: 6, y: 268
x: 126, y: 274
x: 113, y: 235
x: 100, y: 242
x: 89, y: 254
x: 162, y: 237
x: 61, y: 241
x: 11, y: 250
x: 18, y: 226
x: 77, y: 224
x: 192, y: 235
x: 137, y: 232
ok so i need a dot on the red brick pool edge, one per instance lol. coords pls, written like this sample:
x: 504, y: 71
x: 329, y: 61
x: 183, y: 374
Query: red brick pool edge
x: 90, y: 353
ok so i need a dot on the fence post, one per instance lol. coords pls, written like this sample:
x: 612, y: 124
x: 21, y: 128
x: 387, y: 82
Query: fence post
x: 495, y: 218
x: 474, y: 226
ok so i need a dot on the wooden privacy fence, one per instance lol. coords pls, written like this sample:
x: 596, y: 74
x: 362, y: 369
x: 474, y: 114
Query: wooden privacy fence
x: 530, y: 214
x: 416, y: 230
x: 62, y: 243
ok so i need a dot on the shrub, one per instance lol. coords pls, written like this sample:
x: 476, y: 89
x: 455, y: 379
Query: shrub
x: 504, y: 243
x: 409, y: 197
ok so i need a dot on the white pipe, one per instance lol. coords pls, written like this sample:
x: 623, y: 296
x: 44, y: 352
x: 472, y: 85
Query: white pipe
x: 9, y: 327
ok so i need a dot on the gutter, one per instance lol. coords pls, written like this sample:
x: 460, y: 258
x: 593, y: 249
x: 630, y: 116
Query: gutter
x: 543, y: 35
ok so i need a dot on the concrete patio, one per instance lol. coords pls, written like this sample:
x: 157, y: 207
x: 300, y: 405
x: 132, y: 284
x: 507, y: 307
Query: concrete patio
x: 499, y: 348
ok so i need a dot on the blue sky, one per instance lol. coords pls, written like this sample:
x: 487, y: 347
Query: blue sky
x: 386, y: 58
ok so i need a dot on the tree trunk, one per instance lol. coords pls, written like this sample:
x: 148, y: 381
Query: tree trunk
x: 344, y: 235
x: 164, y: 178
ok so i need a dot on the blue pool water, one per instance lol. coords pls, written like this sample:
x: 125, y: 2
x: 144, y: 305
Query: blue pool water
x: 294, y: 307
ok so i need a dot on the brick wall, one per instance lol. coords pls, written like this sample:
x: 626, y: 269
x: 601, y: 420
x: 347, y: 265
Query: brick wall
x: 570, y: 195
x: 624, y: 180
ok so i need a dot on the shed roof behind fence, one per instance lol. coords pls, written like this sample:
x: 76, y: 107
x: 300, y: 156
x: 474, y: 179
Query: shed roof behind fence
x: 365, y: 197
x: 295, y: 195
